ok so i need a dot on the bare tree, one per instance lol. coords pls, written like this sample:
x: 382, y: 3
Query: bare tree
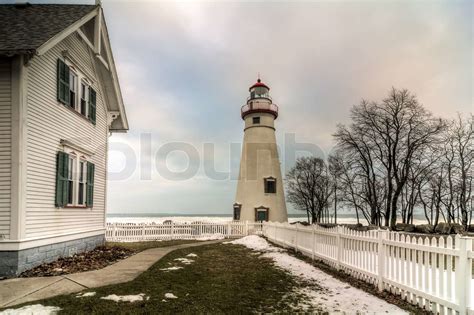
x: 336, y: 170
x: 388, y: 137
x: 309, y: 187
x: 459, y: 156
x: 355, y: 147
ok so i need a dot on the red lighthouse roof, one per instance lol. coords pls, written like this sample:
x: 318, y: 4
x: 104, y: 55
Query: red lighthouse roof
x: 259, y: 84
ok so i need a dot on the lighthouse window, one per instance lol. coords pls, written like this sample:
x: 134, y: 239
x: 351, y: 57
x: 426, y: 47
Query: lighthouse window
x: 256, y: 120
x: 237, y: 211
x: 270, y: 185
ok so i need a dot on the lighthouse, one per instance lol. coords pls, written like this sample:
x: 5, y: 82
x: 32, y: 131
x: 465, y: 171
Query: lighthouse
x: 260, y: 195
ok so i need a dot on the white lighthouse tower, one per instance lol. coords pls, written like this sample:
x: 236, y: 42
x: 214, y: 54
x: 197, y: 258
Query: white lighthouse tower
x: 260, y: 195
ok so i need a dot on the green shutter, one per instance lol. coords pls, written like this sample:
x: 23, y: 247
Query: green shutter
x: 90, y: 185
x: 92, y: 105
x: 63, y: 82
x: 62, y: 164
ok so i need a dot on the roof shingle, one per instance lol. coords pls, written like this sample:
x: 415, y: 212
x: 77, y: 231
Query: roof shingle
x: 23, y: 29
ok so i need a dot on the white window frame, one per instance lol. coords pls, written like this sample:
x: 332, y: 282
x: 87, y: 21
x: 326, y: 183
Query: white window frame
x: 73, y: 86
x: 71, y: 177
x: 77, y: 157
x: 81, y: 78
x: 82, y: 181
x: 84, y: 97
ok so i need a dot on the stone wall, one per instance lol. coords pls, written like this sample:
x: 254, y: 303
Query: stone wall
x: 15, y: 262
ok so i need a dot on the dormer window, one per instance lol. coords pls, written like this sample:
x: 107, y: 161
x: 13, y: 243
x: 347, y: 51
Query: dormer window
x: 83, y: 102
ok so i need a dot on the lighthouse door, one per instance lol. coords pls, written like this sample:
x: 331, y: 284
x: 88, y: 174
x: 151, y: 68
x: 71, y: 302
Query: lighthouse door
x: 261, y: 214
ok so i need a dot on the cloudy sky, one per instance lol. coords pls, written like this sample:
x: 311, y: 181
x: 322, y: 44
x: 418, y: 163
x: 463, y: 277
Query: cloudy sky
x: 185, y: 69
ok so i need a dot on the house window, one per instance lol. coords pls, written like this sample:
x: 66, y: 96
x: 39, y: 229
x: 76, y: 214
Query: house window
x: 72, y: 89
x: 237, y: 208
x: 256, y: 120
x: 270, y: 185
x: 74, y: 180
x: 70, y: 180
x: 84, y: 100
x: 82, y: 183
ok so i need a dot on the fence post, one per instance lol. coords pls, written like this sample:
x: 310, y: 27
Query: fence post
x: 381, y: 235
x: 246, y: 228
x: 143, y: 231
x: 313, y: 243
x: 463, y: 273
x: 114, y: 233
x: 339, y: 247
x: 172, y: 229
x: 229, y: 230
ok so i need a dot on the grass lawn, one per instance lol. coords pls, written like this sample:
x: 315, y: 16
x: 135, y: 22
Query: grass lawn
x: 222, y: 279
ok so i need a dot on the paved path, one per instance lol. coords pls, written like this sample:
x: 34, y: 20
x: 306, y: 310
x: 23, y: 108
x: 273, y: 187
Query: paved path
x: 21, y: 290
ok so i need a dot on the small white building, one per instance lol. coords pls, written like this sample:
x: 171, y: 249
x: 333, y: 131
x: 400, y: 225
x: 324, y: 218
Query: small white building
x: 260, y: 195
x: 59, y: 101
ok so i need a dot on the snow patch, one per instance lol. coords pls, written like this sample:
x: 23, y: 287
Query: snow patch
x: 125, y: 298
x: 332, y: 295
x: 210, y: 237
x: 185, y: 261
x: 170, y: 296
x: 256, y: 243
x: 171, y: 268
x: 191, y: 255
x: 36, y: 309
x: 85, y: 294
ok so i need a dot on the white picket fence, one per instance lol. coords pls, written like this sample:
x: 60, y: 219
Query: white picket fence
x: 131, y: 232
x: 435, y: 274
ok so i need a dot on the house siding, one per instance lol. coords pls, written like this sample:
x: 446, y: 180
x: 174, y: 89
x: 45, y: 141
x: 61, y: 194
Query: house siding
x: 48, y: 121
x: 5, y: 147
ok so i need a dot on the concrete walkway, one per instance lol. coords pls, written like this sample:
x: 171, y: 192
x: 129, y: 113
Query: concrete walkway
x: 21, y: 290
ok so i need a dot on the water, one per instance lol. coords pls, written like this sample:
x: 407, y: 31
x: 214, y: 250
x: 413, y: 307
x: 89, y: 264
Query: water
x: 343, y: 218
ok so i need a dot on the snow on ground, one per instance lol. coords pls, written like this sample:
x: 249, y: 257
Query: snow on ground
x: 256, y: 243
x: 86, y: 294
x: 333, y: 296
x: 191, y: 255
x: 36, y: 309
x: 185, y: 261
x: 210, y: 237
x: 171, y: 268
x: 170, y: 296
x: 125, y: 298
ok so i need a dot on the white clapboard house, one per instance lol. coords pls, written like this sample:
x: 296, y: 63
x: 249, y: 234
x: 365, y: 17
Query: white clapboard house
x: 60, y: 100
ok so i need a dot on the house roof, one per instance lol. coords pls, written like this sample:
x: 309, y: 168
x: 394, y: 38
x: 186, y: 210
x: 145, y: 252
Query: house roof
x: 24, y: 28
x: 32, y: 29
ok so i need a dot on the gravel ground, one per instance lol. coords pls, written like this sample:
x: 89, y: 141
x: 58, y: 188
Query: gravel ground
x: 92, y: 260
